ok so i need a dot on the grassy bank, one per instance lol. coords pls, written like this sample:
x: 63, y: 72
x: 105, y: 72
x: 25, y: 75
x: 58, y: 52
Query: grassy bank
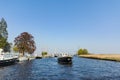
x: 110, y: 57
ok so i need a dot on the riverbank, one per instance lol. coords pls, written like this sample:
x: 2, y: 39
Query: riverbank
x: 109, y: 57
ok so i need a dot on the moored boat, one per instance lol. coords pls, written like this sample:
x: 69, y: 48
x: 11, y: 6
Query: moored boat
x: 7, y: 62
x: 7, y: 59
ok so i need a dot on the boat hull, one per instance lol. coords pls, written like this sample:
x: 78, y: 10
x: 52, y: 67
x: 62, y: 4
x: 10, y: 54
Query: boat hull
x: 65, y: 60
x: 38, y: 57
x: 8, y: 62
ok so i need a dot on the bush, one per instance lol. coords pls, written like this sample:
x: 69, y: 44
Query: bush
x: 82, y: 52
x: 44, y: 53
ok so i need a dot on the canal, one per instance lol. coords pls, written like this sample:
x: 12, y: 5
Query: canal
x: 49, y: 69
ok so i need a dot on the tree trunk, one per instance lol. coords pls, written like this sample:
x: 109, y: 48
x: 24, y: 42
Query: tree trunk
x: 23, y: 53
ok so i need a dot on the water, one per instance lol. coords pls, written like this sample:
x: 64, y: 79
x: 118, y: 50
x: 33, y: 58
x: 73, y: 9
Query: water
x: 49, y: 69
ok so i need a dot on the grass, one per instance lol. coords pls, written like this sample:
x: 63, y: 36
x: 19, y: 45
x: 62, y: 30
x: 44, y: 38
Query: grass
x: 110, y: 57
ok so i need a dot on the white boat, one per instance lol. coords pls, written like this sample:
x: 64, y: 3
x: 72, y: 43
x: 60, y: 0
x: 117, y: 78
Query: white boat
x: 7, y: 58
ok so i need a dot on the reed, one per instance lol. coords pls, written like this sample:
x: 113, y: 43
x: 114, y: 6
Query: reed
x: 110, y: 57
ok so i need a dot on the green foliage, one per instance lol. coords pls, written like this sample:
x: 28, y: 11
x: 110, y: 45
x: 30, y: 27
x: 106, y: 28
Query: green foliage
x: 7, y: 47
x: 44, y: 53
x: 15, y: 49
x: 3, y: 42
x: 82, y: 52
x: 3, y: 36
x: 3, y: 28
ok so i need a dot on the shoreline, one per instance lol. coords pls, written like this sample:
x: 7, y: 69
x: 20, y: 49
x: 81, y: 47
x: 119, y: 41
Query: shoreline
x: 107, y: 57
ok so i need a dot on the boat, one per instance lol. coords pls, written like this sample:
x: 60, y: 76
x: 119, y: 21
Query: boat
x: 7, y: 59
x: 38, y: 57
x: 65, y: 59
x: 7, y: 62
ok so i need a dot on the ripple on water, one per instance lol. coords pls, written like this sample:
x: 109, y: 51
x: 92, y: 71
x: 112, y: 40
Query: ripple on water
x: 49, y: 69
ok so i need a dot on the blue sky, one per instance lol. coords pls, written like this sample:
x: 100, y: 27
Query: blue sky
x: 65, y: 25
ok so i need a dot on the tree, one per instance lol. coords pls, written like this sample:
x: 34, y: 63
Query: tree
x: 25, y: 43
x: 82, y: 52
x: 3, y: 27
x: 2, y: 42
x: 3, y: 36
x: 44, y: 53
x: 85, y: 51
x: 7, y: 47
x: 15, y: 49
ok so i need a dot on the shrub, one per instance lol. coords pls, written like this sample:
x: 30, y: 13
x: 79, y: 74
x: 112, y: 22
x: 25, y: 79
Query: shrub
x: 44, y: 53
x: 82, y: 52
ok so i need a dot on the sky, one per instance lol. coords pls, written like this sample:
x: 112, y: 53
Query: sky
x: 64, y: 26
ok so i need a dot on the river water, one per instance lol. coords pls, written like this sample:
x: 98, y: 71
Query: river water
x: 49, y: 69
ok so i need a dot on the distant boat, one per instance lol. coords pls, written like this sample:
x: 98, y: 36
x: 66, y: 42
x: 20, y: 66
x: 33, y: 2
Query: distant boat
x: 65, y: 59
x: 55, y: 56
x: 38, y: 57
